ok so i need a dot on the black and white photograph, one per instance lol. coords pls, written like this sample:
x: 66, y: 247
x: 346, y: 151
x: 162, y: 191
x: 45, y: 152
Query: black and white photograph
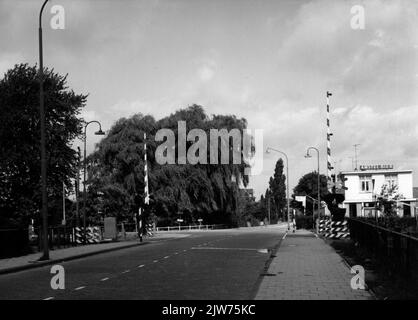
x: 216, y: 156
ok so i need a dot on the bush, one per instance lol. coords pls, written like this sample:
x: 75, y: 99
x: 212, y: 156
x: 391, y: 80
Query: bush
x: 304, y: 222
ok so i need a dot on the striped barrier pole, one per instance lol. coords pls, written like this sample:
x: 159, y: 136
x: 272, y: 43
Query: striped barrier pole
x: 329, y: 134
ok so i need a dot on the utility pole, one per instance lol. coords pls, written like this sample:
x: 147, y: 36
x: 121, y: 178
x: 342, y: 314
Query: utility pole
x: 355, y: 154
x: 77, y: 188
x: 45, y: 242
x: 268, y: 207
x: 63, y: 204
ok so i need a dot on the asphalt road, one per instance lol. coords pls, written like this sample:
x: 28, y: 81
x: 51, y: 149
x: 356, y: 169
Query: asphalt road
x: 216, y: 265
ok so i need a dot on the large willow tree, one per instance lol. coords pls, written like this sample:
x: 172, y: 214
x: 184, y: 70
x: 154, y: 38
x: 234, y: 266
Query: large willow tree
x: 187, y: 191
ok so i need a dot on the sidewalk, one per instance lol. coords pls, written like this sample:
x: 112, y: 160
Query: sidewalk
x: 30, y: 261
x: 306, y: 268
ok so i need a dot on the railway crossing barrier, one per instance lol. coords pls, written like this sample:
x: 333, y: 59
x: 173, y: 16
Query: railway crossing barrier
x: 334, y: 229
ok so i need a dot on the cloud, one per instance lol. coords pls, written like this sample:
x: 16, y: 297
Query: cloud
x: 206, y: 73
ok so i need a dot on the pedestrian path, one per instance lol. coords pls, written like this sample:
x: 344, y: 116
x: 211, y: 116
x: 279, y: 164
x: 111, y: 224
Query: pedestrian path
x: 306, y: 268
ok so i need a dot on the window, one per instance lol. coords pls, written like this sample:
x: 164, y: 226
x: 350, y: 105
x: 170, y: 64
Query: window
x: 391, y: 180
x: 366, y: 184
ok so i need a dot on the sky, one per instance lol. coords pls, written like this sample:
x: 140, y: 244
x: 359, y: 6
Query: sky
x: 270, y: 62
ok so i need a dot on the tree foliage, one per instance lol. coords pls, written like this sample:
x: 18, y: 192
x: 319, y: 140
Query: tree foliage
x: 20, y: 190
x: 387, y: 199
x: 308, y: 185
x: 184, y: 191
x: 277, y: 192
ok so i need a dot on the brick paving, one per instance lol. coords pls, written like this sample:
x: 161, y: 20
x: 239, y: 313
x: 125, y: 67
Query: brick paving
x: 306, y: 268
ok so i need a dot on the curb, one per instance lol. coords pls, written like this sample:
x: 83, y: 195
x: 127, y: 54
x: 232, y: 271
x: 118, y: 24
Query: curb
x: 69, y: 258
x: 273, y: 255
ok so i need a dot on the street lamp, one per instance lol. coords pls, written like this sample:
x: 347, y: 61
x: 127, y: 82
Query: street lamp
x: 99, y: 133
x: 45, y: 245
x: 319, y: 177
x: 287, y: 180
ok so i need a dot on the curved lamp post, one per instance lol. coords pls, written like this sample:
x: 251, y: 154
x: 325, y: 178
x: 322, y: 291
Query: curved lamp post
x: 319, y: 177
x: 45, y: 244
x: 100, y: 133
x: 287, y: 180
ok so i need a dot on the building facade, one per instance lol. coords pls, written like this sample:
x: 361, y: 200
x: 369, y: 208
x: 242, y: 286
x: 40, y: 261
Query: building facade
x: 364, y: 185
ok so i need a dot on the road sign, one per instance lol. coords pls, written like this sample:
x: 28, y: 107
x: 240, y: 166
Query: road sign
x: 301, y: 199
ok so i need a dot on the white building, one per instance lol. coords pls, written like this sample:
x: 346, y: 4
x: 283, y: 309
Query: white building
x: 365, y: 184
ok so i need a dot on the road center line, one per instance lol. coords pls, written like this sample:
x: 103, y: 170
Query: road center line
x: 238, y: 249
x: 79, y: 288
x: 126, y: 271
x: 140, y: 266
x: 104, y: 279
x: 166, y: 257
x: 155, y: 261
x: 49, y: 298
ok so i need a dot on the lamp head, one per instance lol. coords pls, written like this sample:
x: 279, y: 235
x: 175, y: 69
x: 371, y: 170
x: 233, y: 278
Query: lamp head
x: 307, y: 155
x: 100, y: 133
x: 268, y: 150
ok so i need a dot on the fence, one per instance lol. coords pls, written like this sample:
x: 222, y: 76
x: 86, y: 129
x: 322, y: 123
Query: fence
x: 398, y: 251
x: 192, y: 227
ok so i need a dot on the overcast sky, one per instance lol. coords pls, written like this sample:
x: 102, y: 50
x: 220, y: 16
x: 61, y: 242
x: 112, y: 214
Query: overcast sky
x: 268, y: 61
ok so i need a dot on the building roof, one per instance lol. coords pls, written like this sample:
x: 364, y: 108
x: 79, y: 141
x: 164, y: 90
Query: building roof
x: 359, y: 172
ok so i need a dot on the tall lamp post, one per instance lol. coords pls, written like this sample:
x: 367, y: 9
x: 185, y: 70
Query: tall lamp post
x: 287, y: 180
x: 99, y: 133
x: 319, y: 177
x: 45, y: 245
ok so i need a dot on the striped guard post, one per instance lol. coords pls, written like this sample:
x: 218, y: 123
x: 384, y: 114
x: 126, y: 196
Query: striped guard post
x: 329, y: 134
x: 78, y: 235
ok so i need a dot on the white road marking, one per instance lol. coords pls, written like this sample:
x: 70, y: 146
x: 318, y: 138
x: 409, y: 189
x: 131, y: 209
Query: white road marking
x: 155, y: 261
x: 104, y: 279
x: 166, y: 257
x: 263, y: 251
x: 49, y: 298
x: 184, y: 250
x: 284, y: 237
x: 79, y: 288
x: 238, y: 249
x: 140, y: 266
x: 176, y: 253
x: 126, y: 271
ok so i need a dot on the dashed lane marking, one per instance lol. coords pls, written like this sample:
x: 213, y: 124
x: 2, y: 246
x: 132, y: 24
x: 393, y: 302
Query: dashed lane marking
x: 155, y: 261
x: 104, y: 279
x: 126, y: 271
x: 79, y: 288
x: 239, y: 249
x: 141, y: 266
x: 49, y: 298
x: 166, y: 257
